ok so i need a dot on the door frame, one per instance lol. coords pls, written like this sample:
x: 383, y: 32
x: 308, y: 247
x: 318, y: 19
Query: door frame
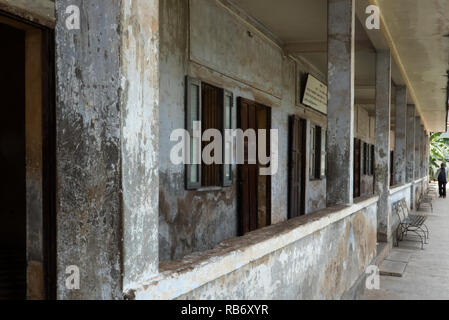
x: 41, y: 258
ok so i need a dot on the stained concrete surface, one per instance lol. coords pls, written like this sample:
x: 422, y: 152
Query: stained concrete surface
x: 400, y: 256
x: 392, y: 268
x: 427, y: 273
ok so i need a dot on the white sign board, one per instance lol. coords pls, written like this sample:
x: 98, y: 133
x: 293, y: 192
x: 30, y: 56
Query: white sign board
x: 315, y: 94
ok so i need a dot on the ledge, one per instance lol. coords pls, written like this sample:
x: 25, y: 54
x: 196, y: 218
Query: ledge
x: 176, y: 278
x: 420, y: 180
x: 41, y: 12
x: 396, y: 189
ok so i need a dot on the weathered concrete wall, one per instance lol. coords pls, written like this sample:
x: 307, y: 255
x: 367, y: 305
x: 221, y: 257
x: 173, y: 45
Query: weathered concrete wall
x: 323, y: 265
x: 400, y: 141
x: 88, y: 114
x: 419, y: 186
x: 107, y: 146
x: 382, y: 142
x: 417, y: 147
x: 366, y: 185
x: 192, y: 221
x: 139, y: 100
x: 318, y: 256
x: 188, y: 220
x: 341, y: 72
x: 410, y: 143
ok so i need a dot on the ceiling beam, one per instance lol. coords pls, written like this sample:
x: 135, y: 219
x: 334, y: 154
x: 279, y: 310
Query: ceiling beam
x: 383, y: 40
x: 321, y: 47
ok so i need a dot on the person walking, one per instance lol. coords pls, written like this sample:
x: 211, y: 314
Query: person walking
x: 441, y: 176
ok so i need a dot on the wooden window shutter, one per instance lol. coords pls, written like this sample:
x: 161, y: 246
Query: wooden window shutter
x: 357, y: 169
x: 212, y: 118
x: 192, y: 114
x: 318, y: 138
x: 228, y: 103
x: 312, y: 161
x: 323, y: 154
x: 296, y: 168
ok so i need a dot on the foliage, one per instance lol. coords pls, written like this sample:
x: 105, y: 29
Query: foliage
x: 439, y: 151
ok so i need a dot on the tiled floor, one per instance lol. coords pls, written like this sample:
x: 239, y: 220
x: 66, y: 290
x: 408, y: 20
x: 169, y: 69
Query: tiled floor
x: 427, y: 273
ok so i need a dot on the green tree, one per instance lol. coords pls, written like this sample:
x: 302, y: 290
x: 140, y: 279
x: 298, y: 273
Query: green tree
x: 439, y: 150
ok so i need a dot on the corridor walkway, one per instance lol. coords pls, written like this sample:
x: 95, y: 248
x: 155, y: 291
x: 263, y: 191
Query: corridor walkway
x: 427, y: 273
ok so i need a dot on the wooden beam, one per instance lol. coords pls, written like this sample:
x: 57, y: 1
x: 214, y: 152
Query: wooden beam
x: 321, y: 47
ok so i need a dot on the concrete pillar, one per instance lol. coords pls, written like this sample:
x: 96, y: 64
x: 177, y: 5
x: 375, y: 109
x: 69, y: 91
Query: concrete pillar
x: 421, y: 151
x: 410, y: 152
x: 340, y: 119
x: 417, y: 147
x: 382, y: 143
x: 140, y: 139
x: 428, y: 154
x: 107, y: 147
x: 88, y: 150
x: 400, y: 158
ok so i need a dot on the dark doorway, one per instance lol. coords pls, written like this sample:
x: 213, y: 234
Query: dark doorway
x: 12, y: 165
x: 357, y: 166
x: 254, y: 200
x: 27, y: 161
x: 296, y: 181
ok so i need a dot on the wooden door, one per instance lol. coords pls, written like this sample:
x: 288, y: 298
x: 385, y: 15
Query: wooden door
x: 254, y: 198
x: 296, y: 203
x: 357, y: 167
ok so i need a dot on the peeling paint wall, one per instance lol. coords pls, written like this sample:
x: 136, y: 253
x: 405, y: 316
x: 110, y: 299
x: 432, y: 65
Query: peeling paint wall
x: 139, y: 98
x: 419, y: 186
x: 192, y: 221
x: 323, y: 265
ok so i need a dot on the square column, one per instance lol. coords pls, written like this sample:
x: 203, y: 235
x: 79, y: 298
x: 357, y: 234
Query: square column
x: 421, y: 151
x: 340, y: 119
x: 382, y: 143
x: 410, y: 152
x: 400, y: 136
x: 427, y: 154
x: 417, y: 148
x: 107, y: 126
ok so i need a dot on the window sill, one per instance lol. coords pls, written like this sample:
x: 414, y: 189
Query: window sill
x: 208, y: 189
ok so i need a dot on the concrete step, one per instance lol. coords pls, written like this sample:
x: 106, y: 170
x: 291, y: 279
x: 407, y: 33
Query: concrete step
x: 395, y: 263
x: 392, y: 268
